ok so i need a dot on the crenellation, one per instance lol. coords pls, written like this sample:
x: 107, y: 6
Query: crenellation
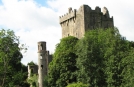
x: 68, y: 16
x: 76, y: 22
x: 97, y: 9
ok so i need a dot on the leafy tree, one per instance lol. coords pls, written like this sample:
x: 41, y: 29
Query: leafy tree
x: 10, y: 58
x: 62, y: 68
x: 90, y: 62
x: 33, y: 80
x: 102, y: 56
x: 46, y: 81
x: 128, y: 68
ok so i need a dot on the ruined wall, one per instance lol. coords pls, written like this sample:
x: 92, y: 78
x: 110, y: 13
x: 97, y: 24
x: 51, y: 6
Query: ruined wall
x: 72, y: 23
x: 32, y: 69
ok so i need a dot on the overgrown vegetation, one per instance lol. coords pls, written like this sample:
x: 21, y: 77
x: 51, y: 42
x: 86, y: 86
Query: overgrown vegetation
x: 102, y: 58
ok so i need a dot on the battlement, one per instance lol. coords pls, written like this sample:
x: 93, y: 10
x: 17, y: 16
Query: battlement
x: 97, y: 9
x: 69, y: 15
x: 76, y: 22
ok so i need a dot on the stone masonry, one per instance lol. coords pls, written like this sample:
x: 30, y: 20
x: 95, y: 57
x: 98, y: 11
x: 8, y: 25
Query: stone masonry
x: 76, y: 22
x: 41, y: 70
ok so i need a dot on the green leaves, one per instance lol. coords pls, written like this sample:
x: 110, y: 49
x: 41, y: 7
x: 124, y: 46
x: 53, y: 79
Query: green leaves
x: 102, y: 58
x: 10, y: 59
x: 78, y: 85
x: 62, y: 67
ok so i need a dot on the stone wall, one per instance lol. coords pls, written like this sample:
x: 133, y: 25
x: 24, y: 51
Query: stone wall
x: 76, y: 22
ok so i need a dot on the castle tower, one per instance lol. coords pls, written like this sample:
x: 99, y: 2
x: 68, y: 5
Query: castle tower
x: 76, y: 22
x: 42, y: 62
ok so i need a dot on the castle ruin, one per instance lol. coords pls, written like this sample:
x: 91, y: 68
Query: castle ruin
x: 76, y: 22
x: 41, y: 70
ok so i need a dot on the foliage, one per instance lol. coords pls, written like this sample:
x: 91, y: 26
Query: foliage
x: 10, y: 59
x: 62, y: 68
x: 45, y: 82
x: 31, y: 63
x: 33, y: 80
x: 103, y: 59
x: 78, y: 85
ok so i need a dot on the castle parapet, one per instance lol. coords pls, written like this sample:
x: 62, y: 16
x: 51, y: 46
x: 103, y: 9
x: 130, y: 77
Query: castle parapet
x: 69, y: 15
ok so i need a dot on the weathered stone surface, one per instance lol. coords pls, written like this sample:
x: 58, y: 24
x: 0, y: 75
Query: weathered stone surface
x: 76, y: 22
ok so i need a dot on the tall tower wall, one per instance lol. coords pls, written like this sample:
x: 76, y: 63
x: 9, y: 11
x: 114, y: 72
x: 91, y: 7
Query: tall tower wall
x: 75, y: 23
x: 72, y: 23
x: 41, y: 62
x: 44, y: 58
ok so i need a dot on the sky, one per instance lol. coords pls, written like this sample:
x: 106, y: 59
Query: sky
x: 38, y: 20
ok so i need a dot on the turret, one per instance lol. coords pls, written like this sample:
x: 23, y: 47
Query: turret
x: 41, y: 62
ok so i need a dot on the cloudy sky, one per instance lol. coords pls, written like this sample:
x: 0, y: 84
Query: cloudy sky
x: 38, y: 20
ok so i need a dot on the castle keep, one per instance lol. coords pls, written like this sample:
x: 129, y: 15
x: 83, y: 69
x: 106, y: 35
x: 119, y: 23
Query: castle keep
x: 76, y: 22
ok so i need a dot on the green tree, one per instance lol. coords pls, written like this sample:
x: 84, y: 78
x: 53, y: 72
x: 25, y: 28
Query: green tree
x: 102, y: 56
x: 90, y: 61
x: 45, y: 82
x: 118, y: 55
x: 128, y: 68
x: 62, y: 68
x: 10, y: 58
x: 33, y: 80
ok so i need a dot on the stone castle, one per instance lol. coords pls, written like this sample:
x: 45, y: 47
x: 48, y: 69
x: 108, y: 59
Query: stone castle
x: 74, y: 23
x: 44, y: 58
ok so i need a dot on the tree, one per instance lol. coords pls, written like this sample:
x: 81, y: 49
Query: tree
x: 128, y: 68
x: 10, y: 58
x: 90, y: 61
x: 62, y: 68
x: 102, y: 56
x: 33, y: 80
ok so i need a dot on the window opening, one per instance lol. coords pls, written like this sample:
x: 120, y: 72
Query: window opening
x: 41, y: 56
x: 41, y: 66
x: 31, y: 70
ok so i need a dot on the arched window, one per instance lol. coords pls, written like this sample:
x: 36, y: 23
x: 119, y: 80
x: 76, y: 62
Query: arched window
x: 41, y: 47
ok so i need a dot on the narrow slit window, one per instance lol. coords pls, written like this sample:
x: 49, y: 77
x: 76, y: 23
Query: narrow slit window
x: 41, y: 46
x: 41, y: 66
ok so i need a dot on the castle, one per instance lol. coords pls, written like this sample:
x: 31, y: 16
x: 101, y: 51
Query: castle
x: 44, y: 58
x: 74, y: 23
